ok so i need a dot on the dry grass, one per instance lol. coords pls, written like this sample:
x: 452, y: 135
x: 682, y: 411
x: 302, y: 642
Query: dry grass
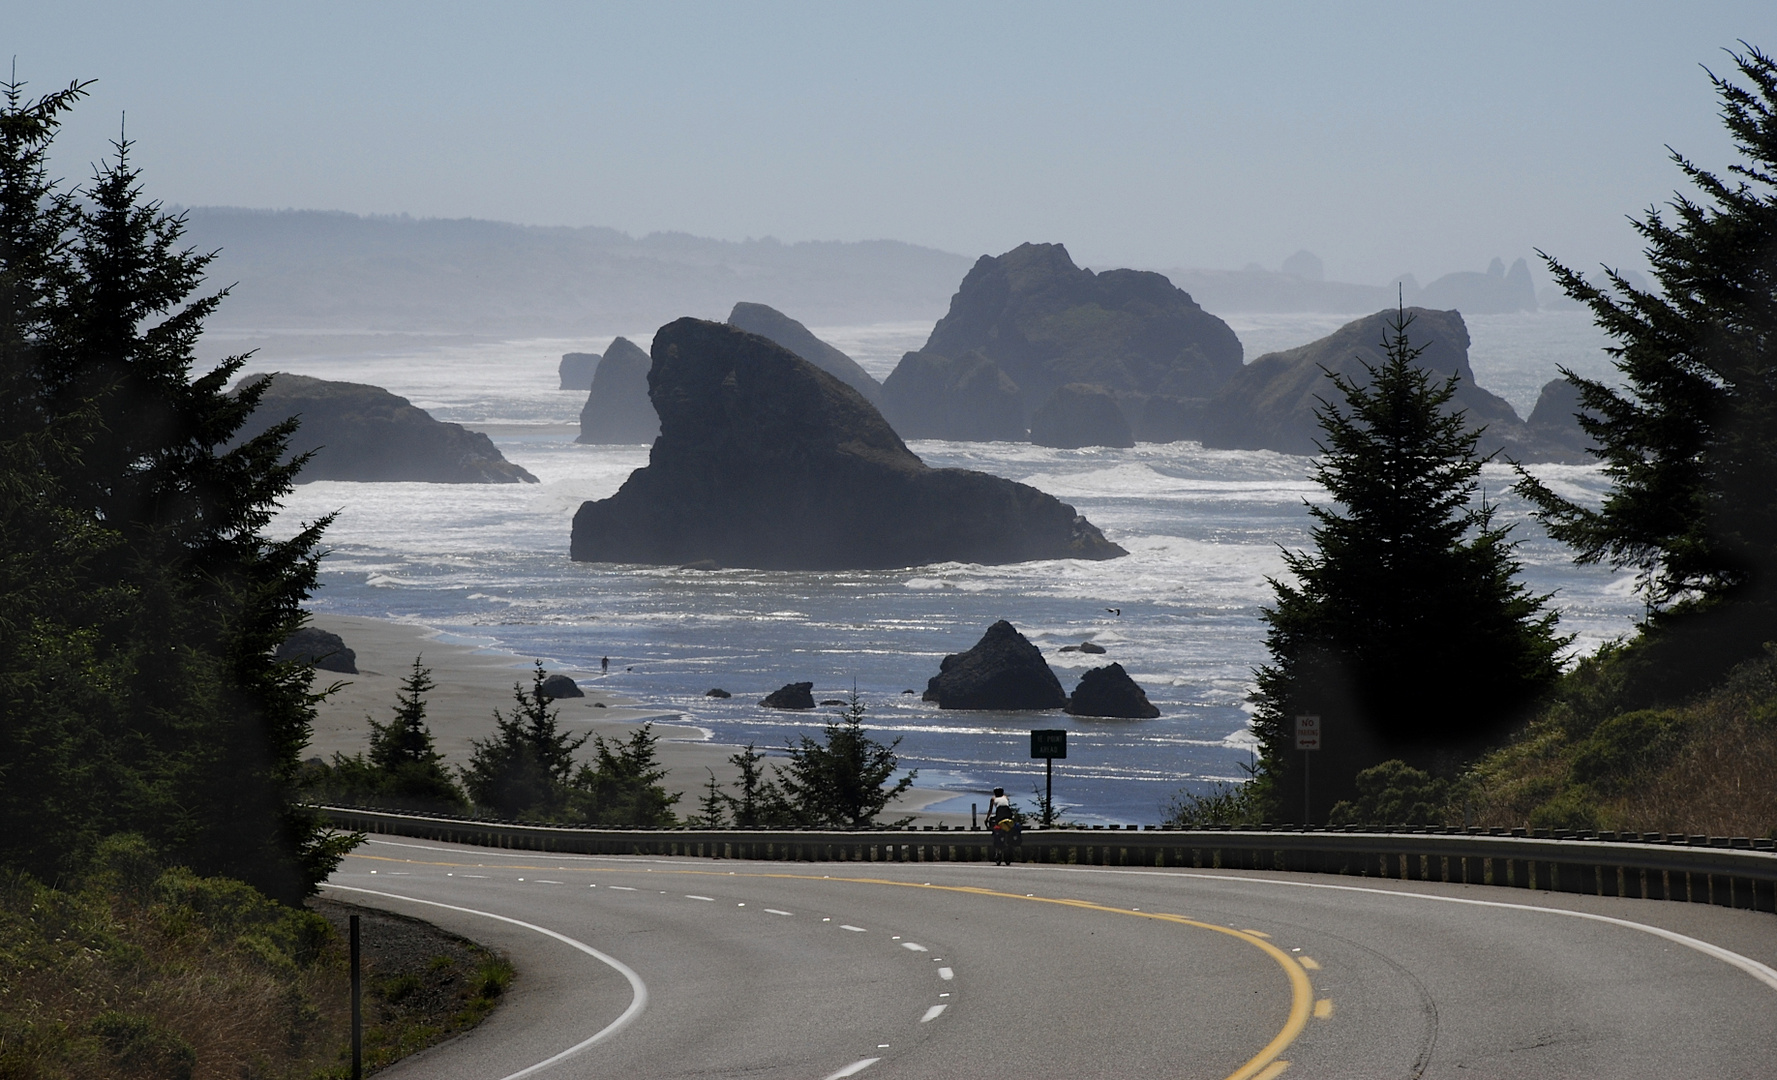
x: 1706, y: 768
x: 166, y: 975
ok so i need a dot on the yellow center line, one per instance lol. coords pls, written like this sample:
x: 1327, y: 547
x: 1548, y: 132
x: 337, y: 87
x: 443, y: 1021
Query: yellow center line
x: 1262, y: 1066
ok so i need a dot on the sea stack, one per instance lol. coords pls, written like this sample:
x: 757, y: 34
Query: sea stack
x: 1042, y: 323
x: 768, y: 322
x: 1109, y: 691
x: 365, y: 433
x: 1004, y: 671
x: 767, y: 462
x: 1271, y: 403
x: 617, y: 408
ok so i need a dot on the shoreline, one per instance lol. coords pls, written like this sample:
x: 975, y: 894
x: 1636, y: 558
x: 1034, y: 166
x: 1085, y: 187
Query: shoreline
x: 472, y: 681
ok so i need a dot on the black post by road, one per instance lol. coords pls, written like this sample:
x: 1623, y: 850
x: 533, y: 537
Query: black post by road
x: 1049, y: 744
x: 357, y: 1010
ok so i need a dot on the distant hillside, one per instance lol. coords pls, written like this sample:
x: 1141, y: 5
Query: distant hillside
x: 306, y: 269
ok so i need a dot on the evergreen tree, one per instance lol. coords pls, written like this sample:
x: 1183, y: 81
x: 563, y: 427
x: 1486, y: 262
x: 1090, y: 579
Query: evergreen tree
x: 151, y: 666
x: 761, y: 802
x: 523, y: 770
x: 404, y: 768
x: 712, y: 807
x: 621, y: 788
x: 1405, y: 629
x: 1689, y: 441
x: 839, y: 782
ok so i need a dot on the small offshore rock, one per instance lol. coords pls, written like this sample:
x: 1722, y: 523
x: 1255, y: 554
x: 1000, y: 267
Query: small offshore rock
x: 1003, y: 671
x: 560, y: 686
x: 1070, y: 648
x: 832, y: 701
x: 598, y: 704
x: 796, y: 695
x: 717, y: 692
x: 1109, y: 691
x: 1091, y: 647
x: 321, y: 648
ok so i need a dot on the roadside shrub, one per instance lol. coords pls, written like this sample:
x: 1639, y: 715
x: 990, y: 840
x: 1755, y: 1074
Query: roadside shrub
x: 1393, y: 793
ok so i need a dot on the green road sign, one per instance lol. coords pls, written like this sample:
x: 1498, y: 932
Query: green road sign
x: 1049, y: 743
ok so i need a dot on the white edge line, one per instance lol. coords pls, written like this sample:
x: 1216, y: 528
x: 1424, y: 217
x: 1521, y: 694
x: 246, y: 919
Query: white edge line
x: 854, y: 1068
x: 1762, y: 972
x: 638, y: 989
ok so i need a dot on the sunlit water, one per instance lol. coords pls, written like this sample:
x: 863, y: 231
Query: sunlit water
x: 488, y: 563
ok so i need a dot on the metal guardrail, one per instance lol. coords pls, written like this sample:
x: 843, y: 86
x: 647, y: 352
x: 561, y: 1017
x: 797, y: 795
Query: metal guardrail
x: 1735, y: 872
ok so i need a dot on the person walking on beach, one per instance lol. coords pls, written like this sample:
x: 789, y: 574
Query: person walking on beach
x: 1003, y: 821
x: 605, y: 666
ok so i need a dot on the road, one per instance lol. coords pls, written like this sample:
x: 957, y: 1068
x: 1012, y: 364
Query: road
x: 676, y: 967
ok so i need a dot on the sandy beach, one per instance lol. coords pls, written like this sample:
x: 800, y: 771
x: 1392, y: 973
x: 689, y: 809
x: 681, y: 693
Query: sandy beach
x: 472, y: 682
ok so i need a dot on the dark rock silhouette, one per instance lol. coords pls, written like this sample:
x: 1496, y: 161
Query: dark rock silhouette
x: 796, y: 695
x: 322, y: 648
x: 929, y: 396
x: 1271, y: 404
x: 576, y: 370
x: 560, y: 686
x: 768, y: 322
x: 1109, y: 691
x: 718, y: 692
x: 1091, y: 647
x: 1003, y: 671
x: 1554, y: 424
x: 1497, y: 292
x: 1046, y: 323
x: 766, y: 461
x: 1079, y: 415
x: 617, y: 409
x: 361, y: 432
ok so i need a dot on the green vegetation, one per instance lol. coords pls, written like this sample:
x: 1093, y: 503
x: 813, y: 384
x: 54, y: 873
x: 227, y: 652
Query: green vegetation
x: 140, y: 599
x: 838, y: 782
x: 1405, y: 630
x: 403, y: 770
x: 1690, y: 440
x: 526, y: 770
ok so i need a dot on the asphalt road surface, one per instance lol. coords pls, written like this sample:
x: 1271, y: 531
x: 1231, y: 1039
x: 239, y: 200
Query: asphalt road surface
x: 640, y: 967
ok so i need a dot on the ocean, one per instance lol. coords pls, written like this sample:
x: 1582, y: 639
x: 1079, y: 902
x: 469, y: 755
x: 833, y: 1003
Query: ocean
x: 488, y: 564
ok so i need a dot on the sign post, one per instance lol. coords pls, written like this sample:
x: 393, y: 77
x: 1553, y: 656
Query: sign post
x: 1307, y: 739
x: 1049, y: 744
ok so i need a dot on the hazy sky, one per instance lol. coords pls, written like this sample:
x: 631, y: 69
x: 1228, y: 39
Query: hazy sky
x: 1386, y: 138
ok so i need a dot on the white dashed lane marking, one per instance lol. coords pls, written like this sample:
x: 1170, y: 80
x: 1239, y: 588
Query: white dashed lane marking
x: 933, y: 1013
x: 853, y: 929
x: 854, y: 1068
x: 946, y: 974
x: 914, y: 946
x: 710, y: 899
x: 625, y: 888
x: 775, y: 911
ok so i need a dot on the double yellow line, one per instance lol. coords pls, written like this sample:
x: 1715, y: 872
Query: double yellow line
x: 1263, y: 1065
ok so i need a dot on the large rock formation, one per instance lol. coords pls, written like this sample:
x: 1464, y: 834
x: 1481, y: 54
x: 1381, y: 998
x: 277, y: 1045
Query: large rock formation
x: 1003, y: 671
x: 768, y: 322
x: 766, y: 461
x: 1079, y: 415
x: 1271, y: 404
x: 561, y: 686
x: 1555, y: 427
x: 1109, y: 691
x: 796, y: 695
x: 934, y: 397
x: 322, y: 648
x: 360, y: 432
x: 576, y: 370
x: 1497, y: 292
x: 1045, y: 323
x: 617, y: 409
